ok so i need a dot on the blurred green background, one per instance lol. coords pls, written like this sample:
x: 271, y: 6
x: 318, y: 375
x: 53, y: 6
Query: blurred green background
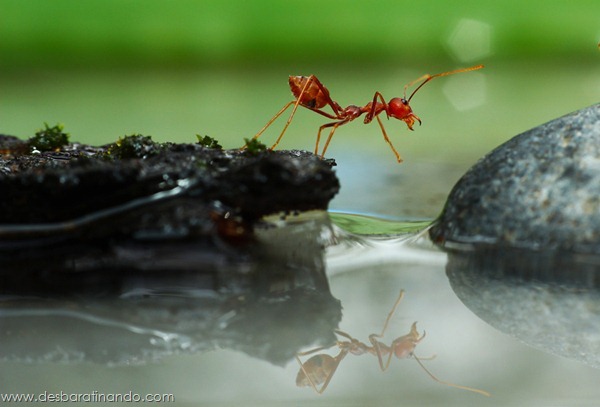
x: 174, y: 69
x: 151, y: 34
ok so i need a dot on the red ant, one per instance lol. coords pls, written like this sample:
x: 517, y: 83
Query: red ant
x: 310, y: 93
x: 319, y: 369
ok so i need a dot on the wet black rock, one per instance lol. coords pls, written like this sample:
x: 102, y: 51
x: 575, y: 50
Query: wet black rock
x: 540, y: 189
x: 79, y: 180
x: 139, y: 189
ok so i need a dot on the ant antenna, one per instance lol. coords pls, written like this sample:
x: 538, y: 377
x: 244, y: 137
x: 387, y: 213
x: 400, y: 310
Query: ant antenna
x: 426, y: 78
x: 483, y: 392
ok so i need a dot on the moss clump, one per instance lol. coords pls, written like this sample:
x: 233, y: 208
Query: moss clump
x: 253, y: 146
x: 134, y: 146
x: 208, y: 142
x: 49, y: 138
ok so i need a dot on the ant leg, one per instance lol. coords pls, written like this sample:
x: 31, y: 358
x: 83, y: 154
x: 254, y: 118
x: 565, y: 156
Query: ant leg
x: 377, y: 346
x: 320, y: 348
x: 372, y: 338
x: 428, y: 357
x: 298, y: 101
x: 315, y: 350
x: 271, y: 122
x: 392, y: 311
x: 376, y: 108
x: 373, y: 110
x: 335, y: 125
x: 344, y: 334
x: 318, y: 141
x: 387, y: 139
x: 295, y: 103
x: 483, y: 392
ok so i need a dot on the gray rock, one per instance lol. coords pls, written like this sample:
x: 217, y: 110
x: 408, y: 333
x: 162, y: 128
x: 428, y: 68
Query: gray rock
x: 522, y: 231
x: 540, y: 189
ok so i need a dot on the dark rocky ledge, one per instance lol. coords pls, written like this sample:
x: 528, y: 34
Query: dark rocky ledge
x: 152, y: 190
x: 79, y: 179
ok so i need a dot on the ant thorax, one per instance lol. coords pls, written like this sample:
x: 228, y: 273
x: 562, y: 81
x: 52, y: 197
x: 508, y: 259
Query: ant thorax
x: 352, y: 112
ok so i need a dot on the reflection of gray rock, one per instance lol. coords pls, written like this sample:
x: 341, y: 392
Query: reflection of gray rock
x: 522, y: 231
x: 539, y: 189
x: 500, y: 286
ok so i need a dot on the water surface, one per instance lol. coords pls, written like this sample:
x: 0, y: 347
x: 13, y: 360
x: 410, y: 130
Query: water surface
x: 366, y: 273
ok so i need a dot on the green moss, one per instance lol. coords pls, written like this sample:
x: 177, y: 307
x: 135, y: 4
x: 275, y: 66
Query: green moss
x: 49, y: 138
x: 134, y: 146
x: 209, y: 142
x: 253, y: 146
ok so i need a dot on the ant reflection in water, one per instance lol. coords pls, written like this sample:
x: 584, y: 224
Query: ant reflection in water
x: 319, y: 369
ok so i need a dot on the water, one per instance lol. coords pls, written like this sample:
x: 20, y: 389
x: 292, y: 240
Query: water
x: 365, y: 272
x: 365, y: 266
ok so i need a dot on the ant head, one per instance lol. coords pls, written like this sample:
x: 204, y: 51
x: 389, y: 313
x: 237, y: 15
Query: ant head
x: 404, y: 346
x: 400, y: 109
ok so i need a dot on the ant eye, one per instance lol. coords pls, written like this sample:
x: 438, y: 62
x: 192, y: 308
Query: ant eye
x: 404, y: 101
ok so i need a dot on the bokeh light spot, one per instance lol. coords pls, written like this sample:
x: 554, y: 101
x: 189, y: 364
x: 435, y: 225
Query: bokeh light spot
x: 470, y: 40
x: 466, y: 92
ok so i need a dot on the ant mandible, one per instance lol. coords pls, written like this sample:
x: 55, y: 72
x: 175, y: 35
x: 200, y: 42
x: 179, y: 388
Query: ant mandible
x: 310, y: 93
x: 319, y: 369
